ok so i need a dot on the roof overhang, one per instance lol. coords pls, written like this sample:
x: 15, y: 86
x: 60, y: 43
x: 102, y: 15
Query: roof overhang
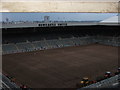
x: 36, y: 25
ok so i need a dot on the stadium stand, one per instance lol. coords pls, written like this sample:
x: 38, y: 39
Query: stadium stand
x: 112, y: 82
x: 9, y: 48
x: 52, y: 43
x: 109, y: 41
x: 57, y: 43
x: 66, y: 42
x: 0, y: 82
x: 29, y: 39
x: 42, y: 44
x: 0, y: 48
x: 6, y: 83
x: 25, y: 47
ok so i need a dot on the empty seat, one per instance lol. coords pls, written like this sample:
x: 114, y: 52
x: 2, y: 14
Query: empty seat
x: 9, y: 48
x: 25, y: 46
x: 40, y: 45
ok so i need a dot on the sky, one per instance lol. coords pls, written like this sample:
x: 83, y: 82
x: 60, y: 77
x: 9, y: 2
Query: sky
x: 56, y: 16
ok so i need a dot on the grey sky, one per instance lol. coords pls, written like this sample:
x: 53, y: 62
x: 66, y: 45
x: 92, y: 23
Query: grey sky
x: 57, y: 16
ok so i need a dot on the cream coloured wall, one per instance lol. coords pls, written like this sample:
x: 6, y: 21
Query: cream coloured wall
x: 60, y: 6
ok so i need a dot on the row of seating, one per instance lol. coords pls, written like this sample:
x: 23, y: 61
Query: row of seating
x: 57, y: 43
x: 112, y: 41
x: 112, y: 82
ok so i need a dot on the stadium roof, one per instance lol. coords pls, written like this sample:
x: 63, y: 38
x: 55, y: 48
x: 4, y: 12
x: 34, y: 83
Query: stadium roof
x: 31, y: 24
x: 113, y: 19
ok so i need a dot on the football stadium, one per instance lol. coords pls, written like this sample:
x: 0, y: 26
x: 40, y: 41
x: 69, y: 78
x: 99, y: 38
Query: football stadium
x: 60, y: 54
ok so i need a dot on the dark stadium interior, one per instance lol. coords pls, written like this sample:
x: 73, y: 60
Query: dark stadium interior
x: 15, y: 35
x: 62, y: 56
